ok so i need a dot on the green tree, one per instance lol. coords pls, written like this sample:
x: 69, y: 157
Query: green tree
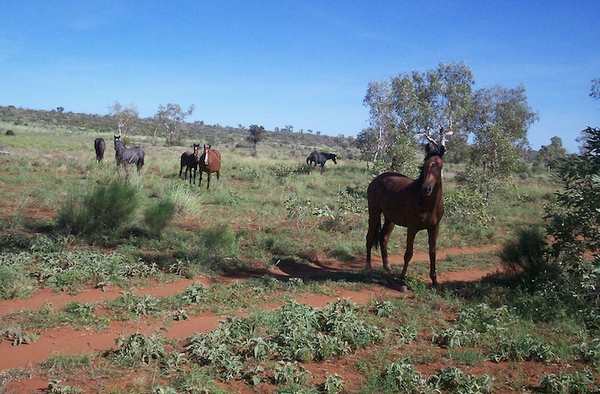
x: 366, y: 142
x: 171, y: 124
x: 381, y: 112
x: 124, y: 116
x: 500, y: 121
x: 574, y: 220
x: 435, y: 103
x: 548, y: 155
x: 434, y: 100
x: 256, y: 134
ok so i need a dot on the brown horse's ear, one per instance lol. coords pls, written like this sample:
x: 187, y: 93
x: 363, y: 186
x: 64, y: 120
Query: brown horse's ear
x: 427, y: 148
x: 442, y: 150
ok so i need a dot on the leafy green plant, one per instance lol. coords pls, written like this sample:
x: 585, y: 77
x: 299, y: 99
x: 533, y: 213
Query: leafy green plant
x: 523, y: 348
x: 402, y: 377
x: 195, y: 293
x: 140, y: 348
x: 18, y: 336
x: 54, y: 387
x: 80, y: 310
x: 454, y: 380
x: 576, y: 383
x: 333, y: 383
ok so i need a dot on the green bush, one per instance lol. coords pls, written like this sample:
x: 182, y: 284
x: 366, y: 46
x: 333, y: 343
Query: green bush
x: 105, y: 209
x: 526, y: 252
x: 157, y: 216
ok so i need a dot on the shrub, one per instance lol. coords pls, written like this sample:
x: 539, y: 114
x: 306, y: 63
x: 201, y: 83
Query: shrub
x: 466, y: 206
x: 526, y: 252
x: 158, y: 215
x: 104, y: 209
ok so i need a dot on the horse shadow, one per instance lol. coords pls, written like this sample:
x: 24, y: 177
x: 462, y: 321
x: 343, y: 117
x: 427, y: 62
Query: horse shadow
x: 288, y: 268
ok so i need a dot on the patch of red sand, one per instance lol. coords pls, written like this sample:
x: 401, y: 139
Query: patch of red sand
x: 67, y: 340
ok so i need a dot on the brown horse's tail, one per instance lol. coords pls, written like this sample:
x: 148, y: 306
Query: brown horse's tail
x: 376, y: 233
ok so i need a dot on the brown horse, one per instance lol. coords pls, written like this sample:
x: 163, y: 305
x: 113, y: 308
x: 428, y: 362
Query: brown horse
x: 414, y: 204
x: 209, y: 162
x: 189, y: 160
x: 100, y: 147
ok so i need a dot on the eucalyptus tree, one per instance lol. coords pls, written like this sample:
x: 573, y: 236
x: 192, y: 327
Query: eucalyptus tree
x: 124, y: 116
x: 501, y: 118
x: 171, y: 123
x: 435, y: 104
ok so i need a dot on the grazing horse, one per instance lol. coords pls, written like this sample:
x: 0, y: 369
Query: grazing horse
x: 209, y: 162
x: 320, y: 158
x: 125, y: 155
x: 412, y: 203
x: 100, y: 147
x: 189, y: 160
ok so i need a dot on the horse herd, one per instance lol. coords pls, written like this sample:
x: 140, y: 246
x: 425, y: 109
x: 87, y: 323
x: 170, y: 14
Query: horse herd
x: 412, y: 203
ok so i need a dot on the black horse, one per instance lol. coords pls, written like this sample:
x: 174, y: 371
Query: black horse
x: 189, y: 160
x: 100, y: 147
x: 125, y: 155
x: 320, y: 158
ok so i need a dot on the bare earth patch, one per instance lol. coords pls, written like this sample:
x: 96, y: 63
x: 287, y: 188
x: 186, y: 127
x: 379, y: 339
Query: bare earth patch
x: 67, y: 340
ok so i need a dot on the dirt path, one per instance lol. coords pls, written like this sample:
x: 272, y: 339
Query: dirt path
x: 67, y: 340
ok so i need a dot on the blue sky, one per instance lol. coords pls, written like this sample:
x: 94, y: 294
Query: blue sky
x: 293, y: 62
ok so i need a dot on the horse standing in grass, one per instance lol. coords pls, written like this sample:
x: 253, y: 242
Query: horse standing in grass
x: 100, y: 147
x: 209, y: 162
x: 125, y: 155
x: 189, y: 160
x: 412, y: 203
x: 320, y: 158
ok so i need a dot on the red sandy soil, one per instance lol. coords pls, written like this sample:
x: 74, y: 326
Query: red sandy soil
x: 67, y: 340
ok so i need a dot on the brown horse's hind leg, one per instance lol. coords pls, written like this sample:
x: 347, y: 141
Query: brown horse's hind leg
x: 433, y: 234
x: 384, y: 237
x: 410, y: 240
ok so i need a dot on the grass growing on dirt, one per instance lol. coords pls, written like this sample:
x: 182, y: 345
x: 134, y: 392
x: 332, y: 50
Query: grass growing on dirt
x: 265, y: 212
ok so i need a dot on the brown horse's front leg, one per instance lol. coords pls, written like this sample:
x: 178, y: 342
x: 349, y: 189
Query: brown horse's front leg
x: 433, y: 234
x: 408, y: 254
x: 384, y: 237
x: 208, y: 181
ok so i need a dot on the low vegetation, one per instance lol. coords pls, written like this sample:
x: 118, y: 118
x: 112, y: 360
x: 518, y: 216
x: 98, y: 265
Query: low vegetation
x: 69, y: 224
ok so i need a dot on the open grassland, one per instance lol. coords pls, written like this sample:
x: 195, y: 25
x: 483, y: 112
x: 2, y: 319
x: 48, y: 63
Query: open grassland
x: 275, y: 251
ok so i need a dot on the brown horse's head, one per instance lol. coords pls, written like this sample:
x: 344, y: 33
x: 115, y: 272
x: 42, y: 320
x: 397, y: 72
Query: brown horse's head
x: 206, y: 152
x: 431, y: 173
x: 196, y: 151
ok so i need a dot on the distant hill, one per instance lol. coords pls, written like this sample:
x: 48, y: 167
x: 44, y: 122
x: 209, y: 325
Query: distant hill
x: 198, y: 130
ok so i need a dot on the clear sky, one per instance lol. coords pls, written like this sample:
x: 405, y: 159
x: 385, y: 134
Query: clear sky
x: 305, y: 63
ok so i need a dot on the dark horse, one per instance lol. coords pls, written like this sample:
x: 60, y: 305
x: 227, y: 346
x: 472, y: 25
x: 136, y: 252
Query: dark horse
x: 414, y: 204
x: 125, y: 155
x: 189, y: 160
x: 320, y: 158
x: 100, y: 147
x: 209, y: 162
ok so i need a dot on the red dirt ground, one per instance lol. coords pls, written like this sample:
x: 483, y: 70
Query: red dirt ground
x: 65, y: 340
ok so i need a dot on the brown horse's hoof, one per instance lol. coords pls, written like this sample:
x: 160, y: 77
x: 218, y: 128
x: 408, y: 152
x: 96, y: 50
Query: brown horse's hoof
x: 403, y: 289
